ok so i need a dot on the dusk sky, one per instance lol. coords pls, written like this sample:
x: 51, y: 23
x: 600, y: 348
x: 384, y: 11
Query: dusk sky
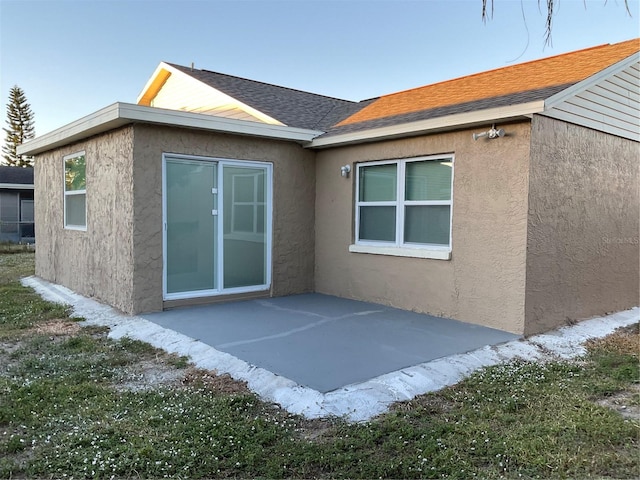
x: 74, y: 57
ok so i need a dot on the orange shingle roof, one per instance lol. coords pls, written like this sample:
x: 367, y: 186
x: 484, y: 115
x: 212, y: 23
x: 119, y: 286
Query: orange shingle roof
x: 562, y: 69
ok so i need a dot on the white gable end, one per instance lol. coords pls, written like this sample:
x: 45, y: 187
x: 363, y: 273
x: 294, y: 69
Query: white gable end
x: 611, y: 105
x: 182, y: 92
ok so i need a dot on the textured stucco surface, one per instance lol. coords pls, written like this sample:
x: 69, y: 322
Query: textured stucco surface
x: 97, y: 262
x: 484, y: 281
x: 545, y: 223
x: 582, y: 237
x: 118, y: 259
x: 293, y: 205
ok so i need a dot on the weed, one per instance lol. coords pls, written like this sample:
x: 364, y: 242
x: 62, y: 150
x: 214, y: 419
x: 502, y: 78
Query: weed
x: 13, y: 267
x: 75, y: 404
x: 10, y: 248
x: 21, y: 310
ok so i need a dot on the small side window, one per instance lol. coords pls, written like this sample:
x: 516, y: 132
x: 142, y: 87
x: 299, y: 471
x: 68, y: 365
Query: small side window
x: 75, y: 192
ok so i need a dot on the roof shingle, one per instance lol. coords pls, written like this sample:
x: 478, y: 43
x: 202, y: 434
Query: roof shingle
x: 560, y: 70
x: 16, y: 175
x: 294, y: 108
x: 485, y: 103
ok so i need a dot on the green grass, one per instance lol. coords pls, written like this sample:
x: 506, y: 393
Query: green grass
x: 15, y: 266
x: 20, y: 308
x: 67, y: 408
x: 9, y: 247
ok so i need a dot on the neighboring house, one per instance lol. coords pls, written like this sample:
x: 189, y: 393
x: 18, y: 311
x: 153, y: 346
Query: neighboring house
x: 215, y: 187
x: 16, y: 205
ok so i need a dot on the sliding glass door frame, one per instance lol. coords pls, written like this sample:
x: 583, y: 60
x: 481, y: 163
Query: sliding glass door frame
x: 219, y: 253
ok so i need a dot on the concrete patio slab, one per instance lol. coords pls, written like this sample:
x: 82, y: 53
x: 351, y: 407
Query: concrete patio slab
x: 355, y: 402
x: 325, y: 342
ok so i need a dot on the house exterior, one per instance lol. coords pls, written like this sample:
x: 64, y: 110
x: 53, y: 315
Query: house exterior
x: 509, y: 198
x: 16, y: 205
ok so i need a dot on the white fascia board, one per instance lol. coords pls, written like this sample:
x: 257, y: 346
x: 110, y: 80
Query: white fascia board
x: 120, y: 114
x: 432, y: 125
x: 156, y: 72
x: 242, y: 106
x: 16, y: 186
x: 179, y: 118
x: 104, y: 119
x: 588, y: 82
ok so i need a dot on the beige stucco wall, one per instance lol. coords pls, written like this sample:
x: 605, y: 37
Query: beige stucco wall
x: 118, y: 259
x: 99, y: 262
x: 545, y: 222
x: 582, y: 238
x: 484, y: 281
x: 293, y: 205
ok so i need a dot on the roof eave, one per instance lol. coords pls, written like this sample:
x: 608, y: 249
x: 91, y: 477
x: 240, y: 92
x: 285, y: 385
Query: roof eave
x: 162, y: 72
x: 120, y: 114
x: 16, y: 186
x: 432, y: 125
x: 588, y: 82
x: 165, y: 70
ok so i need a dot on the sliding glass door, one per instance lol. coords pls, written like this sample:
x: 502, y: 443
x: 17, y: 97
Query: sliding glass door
x: 245, y: 236
x: 190, y: 226
x: 217, y: 226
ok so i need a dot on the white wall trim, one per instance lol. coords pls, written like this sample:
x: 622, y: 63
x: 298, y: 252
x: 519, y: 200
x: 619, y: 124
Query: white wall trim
x: 120, y: 114
x: 422, y: 252
x: 16, y: 186
x: 432, y: 125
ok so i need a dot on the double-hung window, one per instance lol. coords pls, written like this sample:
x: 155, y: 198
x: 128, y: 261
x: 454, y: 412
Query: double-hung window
x: 75, y: 192
x: 405, y: 204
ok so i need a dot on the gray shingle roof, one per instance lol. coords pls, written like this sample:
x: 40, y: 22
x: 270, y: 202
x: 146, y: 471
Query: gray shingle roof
x: 301, y: 109
x: 495, y: 102
x: 16, y: 175
x: 294, y: 108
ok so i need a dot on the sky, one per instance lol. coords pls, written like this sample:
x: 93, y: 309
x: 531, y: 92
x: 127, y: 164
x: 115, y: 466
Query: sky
x: 74, y: 57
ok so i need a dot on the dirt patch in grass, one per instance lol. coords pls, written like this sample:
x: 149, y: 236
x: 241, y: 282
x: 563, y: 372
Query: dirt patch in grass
x: 151, y: 374
x: 318, y: 430
x: 625, y: 340
x: 148, y: 375
x: 626, y: 403
x: 433, y: 404
x: 214, y: 382
x: 57, y: 327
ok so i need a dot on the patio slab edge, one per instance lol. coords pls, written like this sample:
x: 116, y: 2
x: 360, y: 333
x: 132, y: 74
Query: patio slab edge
x: 358, y: 402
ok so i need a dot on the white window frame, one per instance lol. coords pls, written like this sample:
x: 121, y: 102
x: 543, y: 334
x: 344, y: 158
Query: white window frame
x: 254, y: 234
x: 399, y: 247
x: 82, y: 228
x: 220, y: 164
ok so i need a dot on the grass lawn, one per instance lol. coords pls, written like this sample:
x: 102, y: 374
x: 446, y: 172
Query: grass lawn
x: 75, y: 404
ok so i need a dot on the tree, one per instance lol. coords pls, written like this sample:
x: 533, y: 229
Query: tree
x: 550, y: 11
x: 20, y: 128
